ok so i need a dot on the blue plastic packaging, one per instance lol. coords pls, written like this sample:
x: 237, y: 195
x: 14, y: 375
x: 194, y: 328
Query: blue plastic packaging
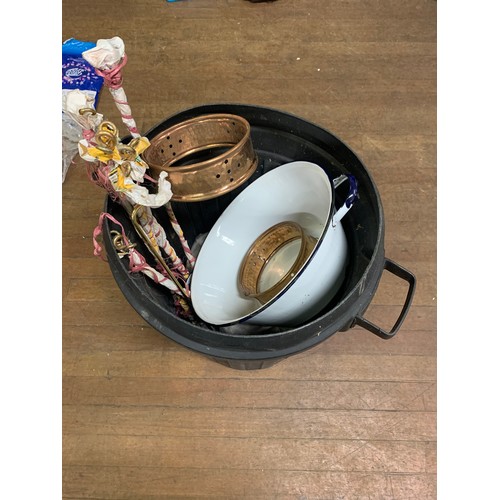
x: 77, y: 73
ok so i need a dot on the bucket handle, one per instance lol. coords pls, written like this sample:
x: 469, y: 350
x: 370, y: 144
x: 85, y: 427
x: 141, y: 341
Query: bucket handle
x: 407, y: 276
x: 352, y: 196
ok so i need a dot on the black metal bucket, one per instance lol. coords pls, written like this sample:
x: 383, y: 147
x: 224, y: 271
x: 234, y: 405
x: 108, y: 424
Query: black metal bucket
x: 278, y: 138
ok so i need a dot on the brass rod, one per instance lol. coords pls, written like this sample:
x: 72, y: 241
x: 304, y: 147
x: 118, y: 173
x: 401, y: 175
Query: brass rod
x: 153, y: 250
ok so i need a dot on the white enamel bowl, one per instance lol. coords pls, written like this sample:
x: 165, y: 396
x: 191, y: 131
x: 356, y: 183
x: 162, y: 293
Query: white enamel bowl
x: 301, y: 192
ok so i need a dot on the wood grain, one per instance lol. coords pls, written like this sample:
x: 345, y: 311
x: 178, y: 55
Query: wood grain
x: 355, y: 416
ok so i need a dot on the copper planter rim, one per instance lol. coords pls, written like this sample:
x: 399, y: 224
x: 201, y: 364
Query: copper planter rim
x: 211, y: 177
x: 263, y: 249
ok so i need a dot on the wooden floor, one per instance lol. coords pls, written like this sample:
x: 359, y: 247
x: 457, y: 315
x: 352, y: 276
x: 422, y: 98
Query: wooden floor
x: 355, y: 417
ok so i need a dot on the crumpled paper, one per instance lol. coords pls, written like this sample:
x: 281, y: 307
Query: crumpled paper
x: 74, y: 123
x: 106, y: 54
x: 138, y: 194
x: 73, y: 102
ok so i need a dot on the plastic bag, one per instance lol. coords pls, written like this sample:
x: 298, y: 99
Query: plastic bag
x: 76, y: 74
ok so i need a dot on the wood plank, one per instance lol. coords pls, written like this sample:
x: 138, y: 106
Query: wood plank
x: 414, y: 486
x: 113, y: 482
x: 276, y: 61
x: 246, y: 453
x: 275, y: 423
x: 92, y: 289
x: 80, y: 246
x: 84, y: 338
x: 237, y: 392
x: 86, y: 267
x: 101, y: 314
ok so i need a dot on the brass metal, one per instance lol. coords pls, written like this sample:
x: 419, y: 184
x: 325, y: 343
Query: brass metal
x: 261, y: 253
x: 84, y: 111
x: 107, y: 126
x: 212, y: 177
x: 134, y: 216
x: 106, y: 137
x: 105, y: 141
x: 127, y: 152
x: 134, y: 142
x: 119, y: 243
x: 126, y: 168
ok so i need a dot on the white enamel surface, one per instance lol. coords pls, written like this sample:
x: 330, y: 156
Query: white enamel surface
x: 298, y: 191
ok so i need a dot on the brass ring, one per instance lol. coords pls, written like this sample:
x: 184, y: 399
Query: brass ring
x: 263, y: 257
x: 204, y: 157
x: 126, y: 168
x: 127, y: 152
x: 105, y: 140
x: 134, y: 142
x: 84, y: 111
x: 119, y: 244
x: 107, y: 126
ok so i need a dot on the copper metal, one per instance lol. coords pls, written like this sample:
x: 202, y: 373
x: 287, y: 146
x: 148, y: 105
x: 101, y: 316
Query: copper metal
x: 263, y: 249
x: 211, y: 177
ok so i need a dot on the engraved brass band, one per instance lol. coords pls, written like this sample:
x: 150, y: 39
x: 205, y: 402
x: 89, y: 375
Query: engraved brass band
x: 263, y: 249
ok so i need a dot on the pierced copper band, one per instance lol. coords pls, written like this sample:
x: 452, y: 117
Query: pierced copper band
x: 222, y: 142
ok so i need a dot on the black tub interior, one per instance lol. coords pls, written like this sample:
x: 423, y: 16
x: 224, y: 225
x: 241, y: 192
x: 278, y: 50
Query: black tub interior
x: 278, y: 138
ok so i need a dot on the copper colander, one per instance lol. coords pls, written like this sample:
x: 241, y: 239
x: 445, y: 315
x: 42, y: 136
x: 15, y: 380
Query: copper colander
x: 273, y: 260
x: 204, y: 157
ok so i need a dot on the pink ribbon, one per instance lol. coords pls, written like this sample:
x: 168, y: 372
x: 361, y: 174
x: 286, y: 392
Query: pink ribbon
x: 98, y: 231
x: 113, y: 77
